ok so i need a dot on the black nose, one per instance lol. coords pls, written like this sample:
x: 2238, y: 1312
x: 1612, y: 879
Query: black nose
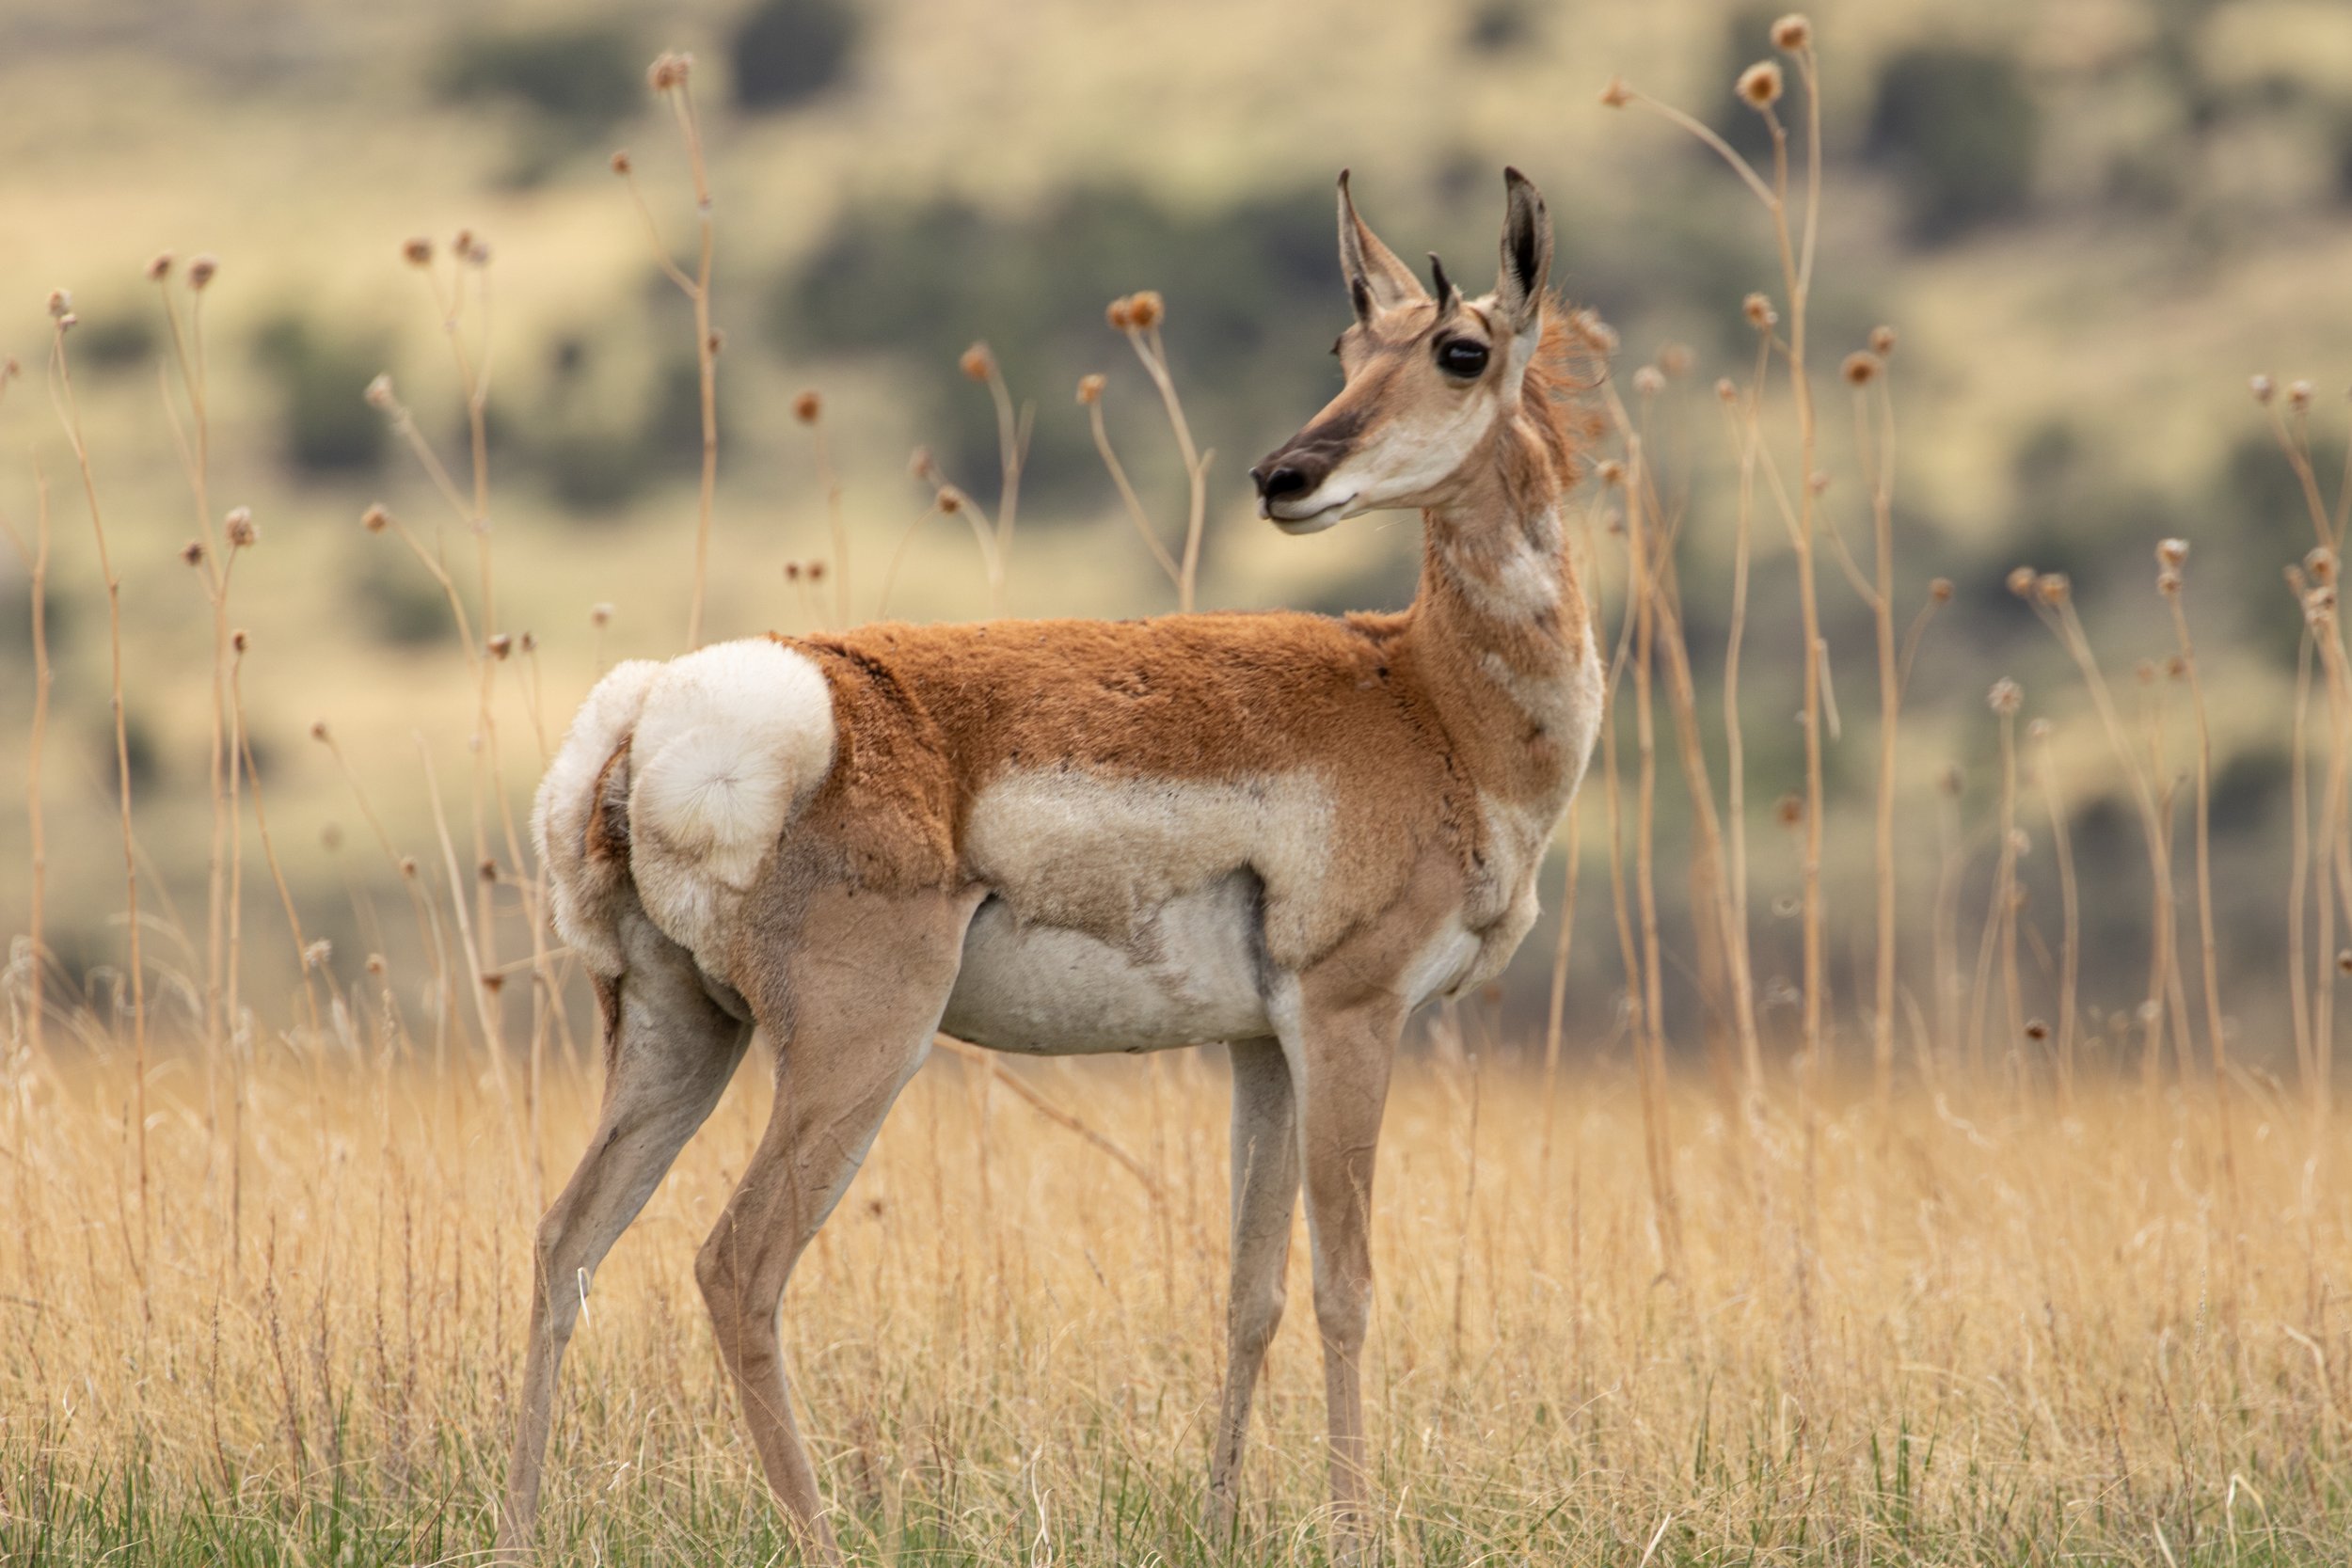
x: 1277, y: 481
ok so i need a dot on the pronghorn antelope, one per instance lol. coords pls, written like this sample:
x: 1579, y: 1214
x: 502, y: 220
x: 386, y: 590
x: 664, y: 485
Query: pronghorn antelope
x: 1281, y: 830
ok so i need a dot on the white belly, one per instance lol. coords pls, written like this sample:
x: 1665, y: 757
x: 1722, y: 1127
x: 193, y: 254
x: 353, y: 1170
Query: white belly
x: 1196, y: 971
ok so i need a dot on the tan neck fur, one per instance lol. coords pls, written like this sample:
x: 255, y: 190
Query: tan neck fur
x: 1498, y: 624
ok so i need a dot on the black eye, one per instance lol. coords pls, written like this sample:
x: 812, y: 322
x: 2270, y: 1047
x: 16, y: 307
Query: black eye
x: 1461, y: 357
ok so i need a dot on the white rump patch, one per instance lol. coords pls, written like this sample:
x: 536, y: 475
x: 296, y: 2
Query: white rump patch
x: 581, y: 895
x: 730, y: 741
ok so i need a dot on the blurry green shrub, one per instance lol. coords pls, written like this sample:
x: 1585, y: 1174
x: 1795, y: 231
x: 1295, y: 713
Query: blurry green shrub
x: 585, y: 76
x: 1961, y: 131
x: 786, y: 51
x: 397, y: 604
x: 319, y: 374
x: 115, y: 340
x: 1253, y: 292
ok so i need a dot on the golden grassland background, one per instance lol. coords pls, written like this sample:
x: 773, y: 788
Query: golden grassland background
x: 2072, y: 363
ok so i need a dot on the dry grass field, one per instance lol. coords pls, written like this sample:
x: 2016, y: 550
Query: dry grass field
x: 1977, y: 1332
x: 1931, y: 1152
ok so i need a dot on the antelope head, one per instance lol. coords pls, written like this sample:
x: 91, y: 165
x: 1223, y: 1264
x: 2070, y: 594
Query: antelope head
x: 1431, y: 376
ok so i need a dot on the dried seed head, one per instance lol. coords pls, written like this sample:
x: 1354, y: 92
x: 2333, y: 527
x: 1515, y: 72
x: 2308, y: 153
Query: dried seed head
x: 243, y: 533
x: 619, y: 161
x: 1090, y: 388
x: 240, y: 640
x: 200, y: 271
x: 500, y: 645
x: 2054, y: 587
x: 2343, y: 962
x: 419, y: 251
x: 60, y: 304
x: 1792, y: 32
x: 193, y: 552
x: 2006, y: 697
x: 1146, y: 310
x: 1760, y: 312
x: 477, y: 251
x: 1789, y: 810
x: 1117, y: 315
x: 600, y: 615
x: 1725, y: 390
x: 2021, y: 580
x: 376, y: 965
x: 809, y: 408
x: 2261, y: 388
x: 1861, y: 368
x: 2145, y: 672
x: 1820, y: 482
x: 318, y: 730
x: 950, y: 499
x: 2036, y: 1031
x: 379, y: 393
x: 1609, y: 470
x: 159, y: 266
x: 2167, y: 583
x: 1882, y: 340
x: 376, y: 520
x: 2299, y: 395
x: 1614, y: 94
x: 1675, y: 359
x: 316, y: 954
x: 791, y: 571
x: 1940, y: 589
x: 408, y: 867
x: 921, y: 465
x: 1650, y: 381
x: 816, y: 571
x: 2038, y: 730
x: 487, y: 870
x: 669, y: 71
x: 977, y: 363
x: 2321, y: 564
x: 1953, y: 781
x: 1760, y: 84
x: 462, y: 242
x: 2020, y: 843
x: 2171, y: 552
x: 529, y: 642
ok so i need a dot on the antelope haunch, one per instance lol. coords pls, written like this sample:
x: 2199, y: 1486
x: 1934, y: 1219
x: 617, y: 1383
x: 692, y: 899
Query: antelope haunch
x: 1281, y: 830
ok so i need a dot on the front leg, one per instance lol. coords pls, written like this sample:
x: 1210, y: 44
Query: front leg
x: 1339, y: 1058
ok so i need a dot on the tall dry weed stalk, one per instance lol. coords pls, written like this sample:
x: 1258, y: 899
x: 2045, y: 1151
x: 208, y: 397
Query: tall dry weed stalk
x: 31, y: 957
x: 1761, y: 86
x: 62, y: 321
x: 212, y: 562
x: 671, y: 76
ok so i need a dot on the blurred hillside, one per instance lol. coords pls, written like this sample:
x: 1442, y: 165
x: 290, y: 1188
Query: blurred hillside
x: 2089, y: 222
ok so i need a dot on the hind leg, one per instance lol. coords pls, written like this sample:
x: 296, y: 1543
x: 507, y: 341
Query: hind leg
x: 1266, y: 1195
x: 670, y: 1050
x: 853, y: 1006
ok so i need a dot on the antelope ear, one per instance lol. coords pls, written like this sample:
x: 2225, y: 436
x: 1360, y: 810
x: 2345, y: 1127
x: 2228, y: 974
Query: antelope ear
x: 1375, y: 279
x: 1526, y: 254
